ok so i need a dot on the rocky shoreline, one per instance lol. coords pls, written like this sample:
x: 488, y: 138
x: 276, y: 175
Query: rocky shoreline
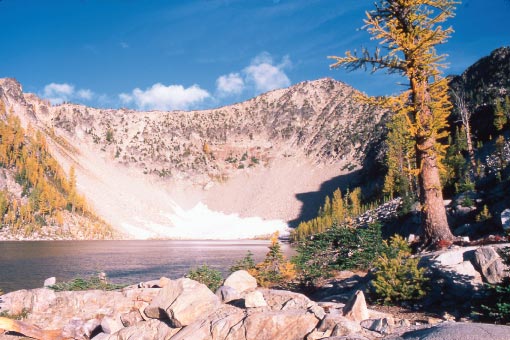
x: 187, y: 309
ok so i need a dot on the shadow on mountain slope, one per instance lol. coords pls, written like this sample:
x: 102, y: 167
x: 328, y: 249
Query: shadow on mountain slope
x: 313, y: 200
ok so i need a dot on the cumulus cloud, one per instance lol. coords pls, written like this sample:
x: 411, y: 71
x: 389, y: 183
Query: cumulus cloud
x: 161, y: 97
x: 57, y: 93
x: 85, y: 94
x: 265, y: 75
x: 230, y: 84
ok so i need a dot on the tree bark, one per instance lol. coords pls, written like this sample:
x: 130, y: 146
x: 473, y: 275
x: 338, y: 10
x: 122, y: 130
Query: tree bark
x: 434, y: 221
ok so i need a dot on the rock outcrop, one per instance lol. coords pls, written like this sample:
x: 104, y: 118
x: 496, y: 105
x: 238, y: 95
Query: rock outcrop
x: 490, y: 264
x: 182, y: 302
x: 459, y: 275
x: 240, y: 280
x: 184, y: 310
x: 459, y: 331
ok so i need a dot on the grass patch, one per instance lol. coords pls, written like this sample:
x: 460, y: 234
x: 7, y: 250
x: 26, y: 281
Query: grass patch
x: 90, y: 283
x: 21, y: 316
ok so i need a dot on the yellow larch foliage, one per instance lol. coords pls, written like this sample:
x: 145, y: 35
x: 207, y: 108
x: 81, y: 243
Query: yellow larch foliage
x: 409, y: 31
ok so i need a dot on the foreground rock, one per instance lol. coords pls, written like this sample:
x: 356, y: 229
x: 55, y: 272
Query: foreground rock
x: 356, y: 308
x: 185, y: 309
x: 460, y: 331
x: 75, y: 310
x: 490, y: 264
x: 241, y: 281
x: 459, y: 275
x: 182, y: 302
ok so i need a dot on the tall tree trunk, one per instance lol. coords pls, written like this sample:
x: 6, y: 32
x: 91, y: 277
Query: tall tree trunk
x: 434, y: 221
x: 465, y: 116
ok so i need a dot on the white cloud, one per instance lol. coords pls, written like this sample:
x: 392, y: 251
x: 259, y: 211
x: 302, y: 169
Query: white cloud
x: 85, y: 94
x: 262, y: 75
x: 161, y: 97
x: 125, y: 98
x: 265, y: 75
x: 57, y: 93
x: 230, y: 84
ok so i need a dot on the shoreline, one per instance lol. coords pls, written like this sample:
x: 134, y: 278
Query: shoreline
x: 266, y: 238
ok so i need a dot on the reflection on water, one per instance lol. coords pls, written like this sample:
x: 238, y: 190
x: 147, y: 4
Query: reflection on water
x: 27, y: 264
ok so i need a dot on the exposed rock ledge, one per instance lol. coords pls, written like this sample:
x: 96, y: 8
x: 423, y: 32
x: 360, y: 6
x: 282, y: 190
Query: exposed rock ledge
x: 186, y: 309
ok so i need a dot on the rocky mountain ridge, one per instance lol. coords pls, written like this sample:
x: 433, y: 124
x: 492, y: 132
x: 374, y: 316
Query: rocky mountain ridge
x: 483, y: 84
x: 320, y: 119
x: 274, y: 147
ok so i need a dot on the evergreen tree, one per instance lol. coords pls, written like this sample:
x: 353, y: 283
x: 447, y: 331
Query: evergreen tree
x: 400, y: 157
x: 338, y: 209
x: 275, y: 270
x: 73, y: 195
x: 507, y: 107
x: 456, y: 173
x: 410, y: 31
x: 500, y: 117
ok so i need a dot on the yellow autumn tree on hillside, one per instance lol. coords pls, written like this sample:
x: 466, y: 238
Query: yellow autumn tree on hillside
x: 410, y: 30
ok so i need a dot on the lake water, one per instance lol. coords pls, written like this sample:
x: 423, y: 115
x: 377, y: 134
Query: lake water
x: 27, y: 264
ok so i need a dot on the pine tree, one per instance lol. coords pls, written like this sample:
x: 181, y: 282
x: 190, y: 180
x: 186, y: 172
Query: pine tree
x: 355, y: 202
x: 410, y: 30
x: 500, y: 154
x: 326, y: 210
x: 73, y: 194
x: 456, y: 174
x: 275, y: 270
x: 500, y: 117
x: 338, y: 209
x: 399, y: 159
x: 507, y: 107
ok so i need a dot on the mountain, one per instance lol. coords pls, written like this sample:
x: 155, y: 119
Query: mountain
x: 237, y: 171
x: 483, y: 83
x: 37, y: 199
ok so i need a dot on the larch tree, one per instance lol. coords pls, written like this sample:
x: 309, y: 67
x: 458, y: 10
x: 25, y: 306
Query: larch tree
x: 500, y: 118
x: 73, y: 194
x: 400, y: 158
x: 410, y: 30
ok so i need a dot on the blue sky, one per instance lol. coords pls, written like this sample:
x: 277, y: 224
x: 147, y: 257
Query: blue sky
x: 205, y: 53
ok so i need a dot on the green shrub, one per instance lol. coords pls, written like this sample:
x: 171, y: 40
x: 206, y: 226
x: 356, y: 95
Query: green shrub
x: 90, y: 283
x: 496, y: 306
x: 246, y: 263
x: 465, y: 185
x: 467, y: 202
x: 210, y: 277
x: 109, y: 135
x: 338, y: 248
x: 397, y: 276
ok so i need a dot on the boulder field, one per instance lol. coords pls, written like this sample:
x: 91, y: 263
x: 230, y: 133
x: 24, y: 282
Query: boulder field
x: 186, y: 309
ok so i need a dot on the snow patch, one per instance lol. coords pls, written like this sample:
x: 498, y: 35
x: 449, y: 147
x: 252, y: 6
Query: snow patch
x: 200, y: 222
